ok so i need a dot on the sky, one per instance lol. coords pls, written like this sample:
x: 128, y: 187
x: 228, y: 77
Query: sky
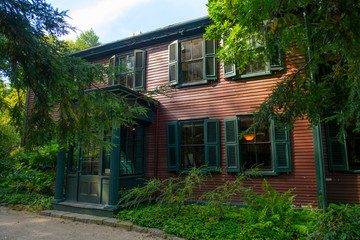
x: 113, y: 20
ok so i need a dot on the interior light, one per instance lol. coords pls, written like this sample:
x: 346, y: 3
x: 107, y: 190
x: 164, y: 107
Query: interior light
x: 249, y: 137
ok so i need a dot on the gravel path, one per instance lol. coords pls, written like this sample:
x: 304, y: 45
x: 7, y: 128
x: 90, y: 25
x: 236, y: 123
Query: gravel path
x: 20, y: 225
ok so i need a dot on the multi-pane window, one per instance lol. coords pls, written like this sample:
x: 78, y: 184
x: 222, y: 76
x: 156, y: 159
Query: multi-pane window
x: 263, y: 65
x: 90, y: 159
x: 193, y: 143
x: 267, y: 149
x: 126, y: 71
x: 93, y: 155
x: 132, y: 148
x: 106, y: 156
x: 129, y: 70
x: 343, y: 151
x: 255, y: 146
x: 192, y: 61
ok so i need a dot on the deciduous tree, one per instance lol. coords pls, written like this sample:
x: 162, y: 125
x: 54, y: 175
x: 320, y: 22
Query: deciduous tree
x: 325, y: 32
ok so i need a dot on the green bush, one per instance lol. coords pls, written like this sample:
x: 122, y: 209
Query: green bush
x: 9, y: 140
x: 271, y: 215
x: 339, y: 222
x: 38, y: 157
x: 30, y: 171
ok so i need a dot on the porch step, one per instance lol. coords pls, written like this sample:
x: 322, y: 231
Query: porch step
x: 86, y: 208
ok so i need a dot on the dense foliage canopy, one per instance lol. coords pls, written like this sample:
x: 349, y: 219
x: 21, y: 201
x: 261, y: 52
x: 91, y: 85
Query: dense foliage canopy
x: 326, y: 33
x: 33, y: 59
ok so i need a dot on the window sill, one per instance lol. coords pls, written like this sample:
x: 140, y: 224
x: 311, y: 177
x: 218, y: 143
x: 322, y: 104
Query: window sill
x: 206, y: 171
x: 253, y: 75
x: 250, y: 75
x: 261, y: 173
x: 200, y: 82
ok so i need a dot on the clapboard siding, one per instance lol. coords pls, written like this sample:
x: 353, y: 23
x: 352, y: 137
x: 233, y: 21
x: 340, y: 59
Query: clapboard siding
x: 221, y: 99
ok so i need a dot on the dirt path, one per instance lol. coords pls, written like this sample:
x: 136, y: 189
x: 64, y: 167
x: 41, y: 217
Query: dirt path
x: 20, y: 225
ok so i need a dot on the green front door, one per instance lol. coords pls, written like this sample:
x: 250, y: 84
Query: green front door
x: 88, y: 175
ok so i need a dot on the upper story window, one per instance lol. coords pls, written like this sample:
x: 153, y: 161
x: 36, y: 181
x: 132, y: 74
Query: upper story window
x: 192, y: 61
x: 193, y: 143
x: 257, y: 67
x: 129, y: 70
x: 343, y: 151
x: 268, y: 149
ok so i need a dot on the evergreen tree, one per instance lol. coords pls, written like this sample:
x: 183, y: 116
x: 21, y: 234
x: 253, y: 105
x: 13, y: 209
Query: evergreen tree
x: 33, y: 59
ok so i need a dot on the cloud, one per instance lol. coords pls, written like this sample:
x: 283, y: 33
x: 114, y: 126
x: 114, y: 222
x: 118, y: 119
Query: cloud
x: 98, y: 14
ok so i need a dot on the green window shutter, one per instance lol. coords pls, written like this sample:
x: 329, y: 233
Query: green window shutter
x: 174, y: 63
x: 232, y: 147
x: 210, y: 66
x: 335, y: 149
x: 212, y: 143
x: 173, y: 146
x: 140, y: 66
x: 281, y: 148
x: 276, y: 60
x: 229, y: 70
x: 111, y: 78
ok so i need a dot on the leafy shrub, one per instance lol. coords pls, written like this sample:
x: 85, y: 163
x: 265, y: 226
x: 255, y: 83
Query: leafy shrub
x: 171, y: 191
x: 339, y: 222
x: 31, y: 171
x: 38, y: 157
x: 269, y: 215
x: 9, y: 140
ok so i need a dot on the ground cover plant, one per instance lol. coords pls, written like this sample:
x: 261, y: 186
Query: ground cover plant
x: 28, y: 175
x: 165, y: 204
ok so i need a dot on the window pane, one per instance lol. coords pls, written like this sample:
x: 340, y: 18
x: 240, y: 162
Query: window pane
x: 130, y: 80
x: 186, y: 72
x: 197, y: 49
x: 186, y: 134
x: 130, y: 63
x: 256, y: 146
x: 192, y: 144
x: 122, y: 64
x: 248, y: 155
x: 198, y: 137
x: 193, y: 157
x: 262, y: 135
x: 186, y: 51
x: 197, y: 71
x: 192, y: 60
x: 263, y: 152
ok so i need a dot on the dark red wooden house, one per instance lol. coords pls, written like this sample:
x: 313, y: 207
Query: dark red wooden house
x: 200, y: 125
